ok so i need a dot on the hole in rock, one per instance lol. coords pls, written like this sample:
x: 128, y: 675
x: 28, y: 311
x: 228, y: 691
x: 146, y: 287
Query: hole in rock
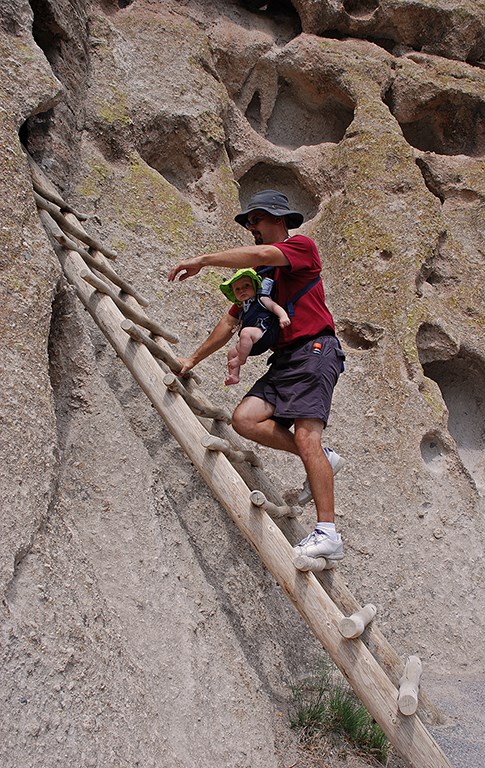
x: 383, y: 42
x: 253, y: 113
x: 433, y: 451
x: 46, y: 31
x: 34, y: 134
x: 448, y: 124
x: 307, y: 114
x: 385, y: 255
x: 359, y: 335
x: 274, y: 8
x: 53, y: 137
x: 462, y: 384
x: 433, y: 344
x: 265, y: 176
x: 169, y: 148
x: 361, y: 8
x: 437, y: 273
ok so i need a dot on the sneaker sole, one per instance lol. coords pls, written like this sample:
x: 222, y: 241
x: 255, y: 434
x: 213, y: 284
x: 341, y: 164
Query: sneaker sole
x: 336, y: 556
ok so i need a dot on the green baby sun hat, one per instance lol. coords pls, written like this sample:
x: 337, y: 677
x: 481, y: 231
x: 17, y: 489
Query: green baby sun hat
x: 226, y: 286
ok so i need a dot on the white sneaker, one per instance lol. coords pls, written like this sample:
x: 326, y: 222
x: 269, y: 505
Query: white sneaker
x: 320, y: 544
x: 336, y: 462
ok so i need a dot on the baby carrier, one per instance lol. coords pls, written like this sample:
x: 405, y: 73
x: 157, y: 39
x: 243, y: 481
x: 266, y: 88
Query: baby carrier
x: 268, y: 321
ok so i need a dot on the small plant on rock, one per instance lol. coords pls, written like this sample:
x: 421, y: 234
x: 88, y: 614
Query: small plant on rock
x: 323, y: 705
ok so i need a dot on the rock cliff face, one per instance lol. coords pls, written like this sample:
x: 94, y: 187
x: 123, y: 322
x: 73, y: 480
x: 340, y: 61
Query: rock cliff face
x: 138, y: 628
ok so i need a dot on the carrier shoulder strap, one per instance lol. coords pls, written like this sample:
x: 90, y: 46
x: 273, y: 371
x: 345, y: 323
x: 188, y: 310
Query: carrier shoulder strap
x: 289, y: 304
x: 269, y: 272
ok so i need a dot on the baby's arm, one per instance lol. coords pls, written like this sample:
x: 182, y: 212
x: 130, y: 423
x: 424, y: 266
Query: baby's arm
x: 280, y: 313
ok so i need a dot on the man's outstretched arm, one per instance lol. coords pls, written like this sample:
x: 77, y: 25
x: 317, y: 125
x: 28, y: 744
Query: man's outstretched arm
x: 237, y: 258
x: 219, y: 336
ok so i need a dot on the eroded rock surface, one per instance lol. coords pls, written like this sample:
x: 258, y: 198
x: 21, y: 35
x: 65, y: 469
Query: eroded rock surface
x: 137, y: 625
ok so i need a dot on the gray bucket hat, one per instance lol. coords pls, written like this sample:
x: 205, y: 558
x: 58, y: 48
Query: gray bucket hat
x: 273, y: 202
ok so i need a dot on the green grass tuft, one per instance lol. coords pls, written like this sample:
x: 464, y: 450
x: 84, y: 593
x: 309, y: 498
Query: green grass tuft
x: 324, y: 705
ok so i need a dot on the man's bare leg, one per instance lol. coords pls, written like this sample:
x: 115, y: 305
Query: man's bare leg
x: 253, y: 419
x: 323, y: 541
x: 308, y: 435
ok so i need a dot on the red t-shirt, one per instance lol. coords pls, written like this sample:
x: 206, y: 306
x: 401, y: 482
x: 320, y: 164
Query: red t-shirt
x: 312, y: 315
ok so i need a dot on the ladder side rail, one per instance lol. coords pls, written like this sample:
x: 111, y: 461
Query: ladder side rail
x: 367, y: 678
x: 255, y: 478
x: 94, y: 260
x: 331, y: 580
x: 75, y: 230
x: 44, y: 187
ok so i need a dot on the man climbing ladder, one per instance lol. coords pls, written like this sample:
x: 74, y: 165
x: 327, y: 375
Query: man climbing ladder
x: 306, y: 362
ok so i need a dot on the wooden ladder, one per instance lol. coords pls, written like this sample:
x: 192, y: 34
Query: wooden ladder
x: 388, y: 688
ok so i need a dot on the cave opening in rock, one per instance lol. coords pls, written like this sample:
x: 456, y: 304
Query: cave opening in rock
x: 52, y: 133
x: 273, y: 8
x: 253, y: 113
x: 168, y: 144
x: 35, y: 133
x: 447, y: 124
x: 461, y: 380
x: 266, y: 176
x: 305, y: 115
x: 46, y: 31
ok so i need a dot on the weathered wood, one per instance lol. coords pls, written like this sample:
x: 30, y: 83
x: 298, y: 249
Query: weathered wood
x: 94, y: 261
x: 138, y: 316
x: 313, y: 564
x: 353, y: 626
x: 333, y: 582
x: 158, y: 349
x: 235, y: 456
x: 409, y: 686
x: 366, y: 677
x: 72, y: 229
x: 275, y: 511
x: 213, y: 412
x: 44, y: 187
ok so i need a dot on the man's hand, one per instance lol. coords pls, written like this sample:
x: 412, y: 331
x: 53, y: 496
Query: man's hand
x: 187, y: 364
x: 188, y: 268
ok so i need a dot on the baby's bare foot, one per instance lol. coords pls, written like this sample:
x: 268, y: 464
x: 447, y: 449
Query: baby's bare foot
x: 231, y: 380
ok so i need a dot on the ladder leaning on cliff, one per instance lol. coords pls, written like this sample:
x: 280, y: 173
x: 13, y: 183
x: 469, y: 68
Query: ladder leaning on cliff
x: 387, y: 687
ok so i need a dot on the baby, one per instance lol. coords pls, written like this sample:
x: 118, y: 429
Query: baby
x: 260, y: 318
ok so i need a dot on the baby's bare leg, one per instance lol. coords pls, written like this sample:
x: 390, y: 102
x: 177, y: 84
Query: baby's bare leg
x: 238, y: 355
x: 233, y: 365
x: 248, y: 337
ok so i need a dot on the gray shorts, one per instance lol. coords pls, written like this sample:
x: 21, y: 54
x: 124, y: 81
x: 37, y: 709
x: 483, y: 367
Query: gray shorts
x: 300, y: 382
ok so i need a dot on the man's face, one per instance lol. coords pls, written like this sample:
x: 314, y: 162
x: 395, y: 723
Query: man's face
x: 243, y: 289
x: 263, y: 227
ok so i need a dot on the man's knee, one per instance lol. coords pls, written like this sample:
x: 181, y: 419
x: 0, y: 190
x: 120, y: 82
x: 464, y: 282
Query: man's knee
x: 248, y: 414
x: 237, y: 424
x: 241, y: 419
x: 308, y: 433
